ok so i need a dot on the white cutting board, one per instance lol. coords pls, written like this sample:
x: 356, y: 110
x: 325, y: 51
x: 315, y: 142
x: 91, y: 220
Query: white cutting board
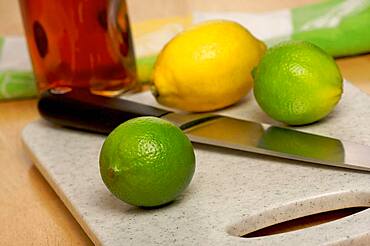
x: 232, y: 192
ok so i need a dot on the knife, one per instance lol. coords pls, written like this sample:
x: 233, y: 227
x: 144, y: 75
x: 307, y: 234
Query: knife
x: 78, y: 108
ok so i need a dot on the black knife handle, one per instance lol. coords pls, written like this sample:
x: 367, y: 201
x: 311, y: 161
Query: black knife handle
x: 78, y: 108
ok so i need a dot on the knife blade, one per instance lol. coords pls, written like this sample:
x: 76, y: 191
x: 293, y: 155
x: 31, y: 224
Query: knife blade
x: 78, y: 108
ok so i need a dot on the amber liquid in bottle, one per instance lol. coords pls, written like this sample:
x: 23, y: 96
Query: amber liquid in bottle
x: 70, y: 45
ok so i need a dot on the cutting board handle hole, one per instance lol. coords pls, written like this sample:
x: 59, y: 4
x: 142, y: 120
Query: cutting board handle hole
x: 301, y: 214
x: 304, y: 222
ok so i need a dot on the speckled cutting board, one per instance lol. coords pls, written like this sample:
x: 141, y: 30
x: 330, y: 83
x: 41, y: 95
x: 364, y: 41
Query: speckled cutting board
x: 232, y: 192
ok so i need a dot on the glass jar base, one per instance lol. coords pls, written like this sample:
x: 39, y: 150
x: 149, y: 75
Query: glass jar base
x: 108, y: 93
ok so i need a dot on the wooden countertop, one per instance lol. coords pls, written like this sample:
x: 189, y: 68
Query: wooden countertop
x: 30, y: 211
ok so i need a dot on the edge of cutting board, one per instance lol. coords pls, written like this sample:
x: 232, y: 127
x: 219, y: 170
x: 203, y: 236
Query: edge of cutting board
x: 59, y: 192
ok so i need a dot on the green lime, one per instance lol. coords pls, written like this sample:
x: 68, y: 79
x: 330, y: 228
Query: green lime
x: 147, y: 162
x: 297, y: 83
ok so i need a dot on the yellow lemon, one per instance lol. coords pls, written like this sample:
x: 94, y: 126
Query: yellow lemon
x: 206, y: 67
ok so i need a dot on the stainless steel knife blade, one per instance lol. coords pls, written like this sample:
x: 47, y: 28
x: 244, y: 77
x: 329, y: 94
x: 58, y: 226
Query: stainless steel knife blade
x: 271, y: 140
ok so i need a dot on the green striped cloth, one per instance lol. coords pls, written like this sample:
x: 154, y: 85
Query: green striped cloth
x: 16, y: 77
x: 340, y: 27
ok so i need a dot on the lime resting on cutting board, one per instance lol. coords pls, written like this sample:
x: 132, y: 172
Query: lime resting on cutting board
x: 147, y: 162
x: 297, y: 83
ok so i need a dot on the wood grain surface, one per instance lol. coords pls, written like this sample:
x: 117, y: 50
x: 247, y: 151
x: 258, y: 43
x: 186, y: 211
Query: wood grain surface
x: 30, y: 211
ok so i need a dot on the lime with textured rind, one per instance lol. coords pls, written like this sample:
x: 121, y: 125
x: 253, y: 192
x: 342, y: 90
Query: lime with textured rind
x: 147, y: 162
x: 297, y: 83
